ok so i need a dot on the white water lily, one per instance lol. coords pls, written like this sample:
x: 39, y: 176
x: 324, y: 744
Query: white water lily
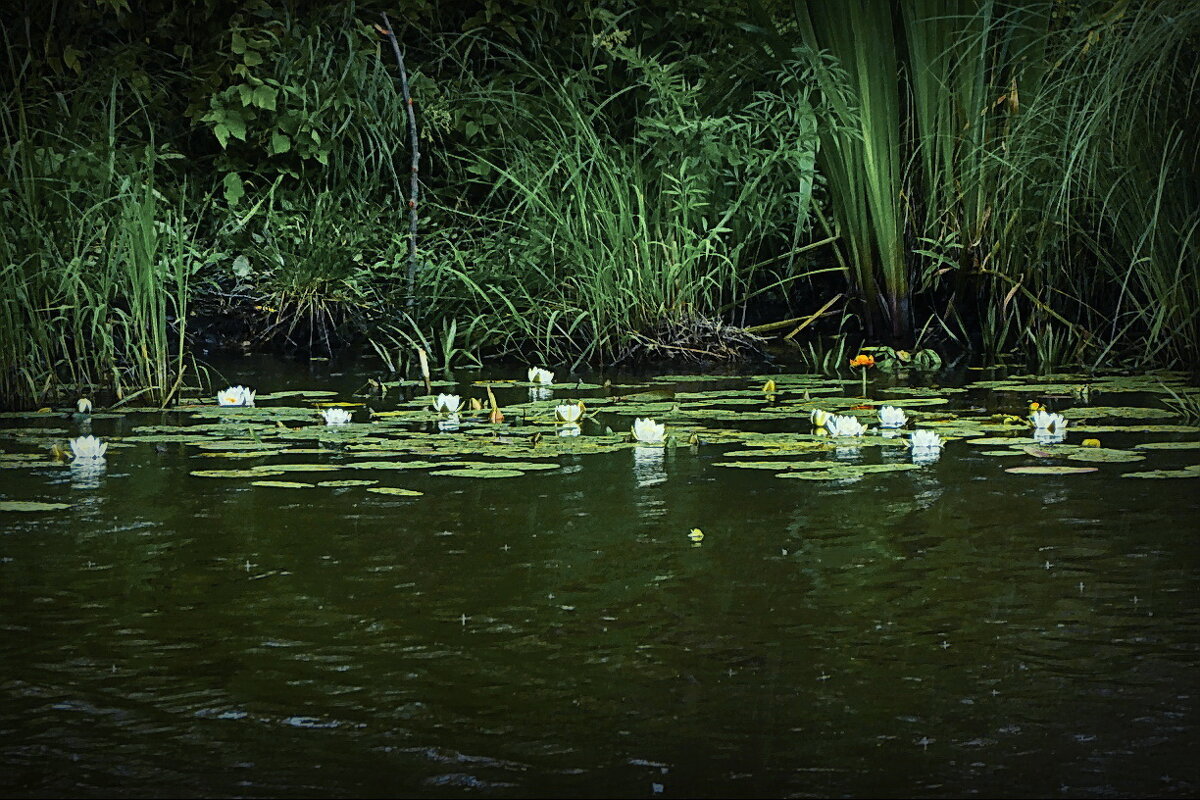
x: 568, y: 413
x: 1043, y: 420
x: 539, y: 375
x: 84, y: 405
x: 844, y: 425
x: 926, y: 440
x: 335, y: 416
x: 88, y: 448
x: 447, y: 403
x: 647, y: 430
x: 235, y: 396
x: 892, y: 417
x: 819, y: 417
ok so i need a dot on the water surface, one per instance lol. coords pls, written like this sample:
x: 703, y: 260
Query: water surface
x: 939, y: 632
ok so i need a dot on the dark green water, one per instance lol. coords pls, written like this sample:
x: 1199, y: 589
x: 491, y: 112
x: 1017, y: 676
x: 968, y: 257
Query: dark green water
x: 947, y: 631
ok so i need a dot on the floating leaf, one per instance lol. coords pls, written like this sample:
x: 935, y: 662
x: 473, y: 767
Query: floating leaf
x: 233, y: 473
x: 1168, y: 446
x: 480, y: 473
x: 296, y: 468
x: 284, y: 484
x: 1137, y: 412
x: 1051, y: 470
x: 348, y: 482
x: 31, y: 505
x: 396, y: 491
x: 1186, y: 472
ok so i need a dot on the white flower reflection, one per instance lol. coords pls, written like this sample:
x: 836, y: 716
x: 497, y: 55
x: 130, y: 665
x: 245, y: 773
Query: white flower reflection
x: 450, y: 423
x: 648, y: 466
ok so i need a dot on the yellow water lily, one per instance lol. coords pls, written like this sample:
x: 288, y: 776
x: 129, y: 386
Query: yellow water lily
x: 84, y: 406
x: 819, y: 417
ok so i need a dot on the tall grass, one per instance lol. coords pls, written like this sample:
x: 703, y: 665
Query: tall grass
x: 618, y: 230
x: 94, y: 264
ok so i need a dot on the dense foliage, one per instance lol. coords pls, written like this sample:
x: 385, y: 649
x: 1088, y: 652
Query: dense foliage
x: 1011, y: 178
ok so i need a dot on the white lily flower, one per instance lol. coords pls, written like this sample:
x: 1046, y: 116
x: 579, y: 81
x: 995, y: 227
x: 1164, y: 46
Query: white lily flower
x: 819, y: 417
x: 568, y: 414
x: 926, y: 440
x: 335, y: 416
x: 844, y: 425
x: 892, y: 417
x: 1043, y: 420
x: 84, y: 405
x: 647, y: 430
x: 88, y: 448
x: 539, y: 375
x: 447, y: 403
x: 235, y: 396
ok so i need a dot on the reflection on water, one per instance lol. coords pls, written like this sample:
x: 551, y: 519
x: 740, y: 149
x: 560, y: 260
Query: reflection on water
x: 936, y: 632
x: 648, y: 465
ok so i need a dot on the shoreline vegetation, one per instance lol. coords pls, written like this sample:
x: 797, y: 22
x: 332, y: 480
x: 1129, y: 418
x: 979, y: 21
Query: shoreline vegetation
x: 598, y: 184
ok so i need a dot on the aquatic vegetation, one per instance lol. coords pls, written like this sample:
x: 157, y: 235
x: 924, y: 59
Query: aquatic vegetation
x: 335, y: 416
x: 891, y: 417
x: 1043, y: 420
x: 862, y: 360
x: 569, y: 413
x: 540, y: 375
x: 235, y: 396
x: 447, y: 403
x: 925, y: 440
x: 88, y: 448
x: 647, y: 430
x: 843, y: 425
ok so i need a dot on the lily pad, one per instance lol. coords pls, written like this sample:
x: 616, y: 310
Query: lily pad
x: 392, y: 490
x: 1153, y: 474
x: 1088, y: 412
x: 233, y: 473
x: 348, y: 482
x: 31, y: 505
x: 480, y: 473
x: 1051, y: 470
x: 284, y: 484
x: 1168, y: 446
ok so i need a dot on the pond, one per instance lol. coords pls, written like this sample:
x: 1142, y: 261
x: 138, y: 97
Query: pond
x: 872, y: 627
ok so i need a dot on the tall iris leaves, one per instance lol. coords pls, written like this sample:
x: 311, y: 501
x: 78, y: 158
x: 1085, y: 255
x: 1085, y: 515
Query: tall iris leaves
x: 860, y: 151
